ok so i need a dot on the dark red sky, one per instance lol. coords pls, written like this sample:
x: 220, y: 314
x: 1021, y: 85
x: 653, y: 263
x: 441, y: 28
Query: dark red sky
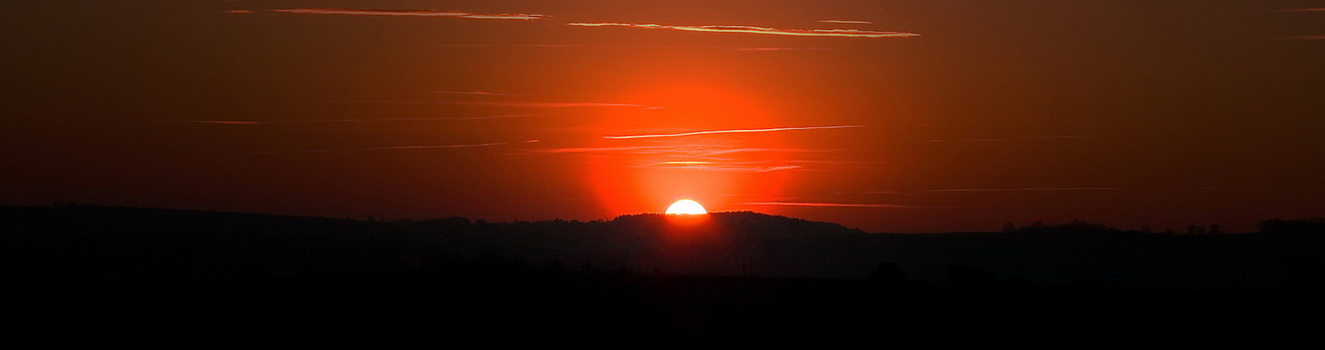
x: 893, y: 116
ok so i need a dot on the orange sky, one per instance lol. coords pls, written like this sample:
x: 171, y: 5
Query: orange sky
x: 889, y: 116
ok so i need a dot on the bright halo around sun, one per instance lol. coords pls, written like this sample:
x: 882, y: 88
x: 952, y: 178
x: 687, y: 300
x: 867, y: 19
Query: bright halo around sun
x: 686, y: 207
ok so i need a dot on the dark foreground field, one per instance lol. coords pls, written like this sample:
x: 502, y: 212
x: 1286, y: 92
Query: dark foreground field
x: 158, y: 276
x: 496, y: 304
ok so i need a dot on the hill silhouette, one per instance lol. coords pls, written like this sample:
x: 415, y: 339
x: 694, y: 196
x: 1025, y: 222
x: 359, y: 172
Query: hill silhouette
x: 737, y: 278
x: 74, y: 242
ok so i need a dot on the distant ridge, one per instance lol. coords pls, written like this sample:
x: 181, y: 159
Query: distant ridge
x: 83, y: 242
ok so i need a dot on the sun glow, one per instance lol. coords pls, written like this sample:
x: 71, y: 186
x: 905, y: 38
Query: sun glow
x: 686, y: 207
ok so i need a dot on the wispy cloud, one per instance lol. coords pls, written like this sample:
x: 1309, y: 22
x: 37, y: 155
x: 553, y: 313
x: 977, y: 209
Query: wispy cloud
x: 752, y: 167
x: 560, y: 200
x: 223, y: 122
x: 480, y: 93
x: 547, y: 104
x: 690, y: 154
x: 363, y: 120
x: 842, y: 21
x: 1309, y: 9
x: 1010, y: 139
x: 237, y: 12
x: 1035, y: 189
x: 888, y: 193
x: 412, y: 13
x: 506, y: 104
x: 296, y: 151
x: 473, y: 145
x: 778, y: 48
x: 679, y: 47
x: 1070, y: 189
x: 732, y: 131
x: 599, y: 149
x: 436, y: 146
x: 847, y: 205
x: 1302, y: 37
x: 849, y: 33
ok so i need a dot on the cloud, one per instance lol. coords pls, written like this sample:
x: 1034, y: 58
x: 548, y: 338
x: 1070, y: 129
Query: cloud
x: 847, y: 205
x: 412, y: 13
x: 1027, y: 189
x: 225, y: 122
x: 600, y: 149
x: 547, y: 104
x: 505, y: 104
x: 481, y: 93
x: 849, y: 33
x: 365, y: 120
x: 298, y: 151
x: 722, y: 166
x: 435, y: 147
x: 732, y: 131
x: 1054, y: 189
x: 237, y: 12
x: 1010, y: 139
x: 842, y: 21
x: 732, y: 48
x: 1302, y: 37
x: 888, y: 192
x: 777, y: 48
x: 474, y: 145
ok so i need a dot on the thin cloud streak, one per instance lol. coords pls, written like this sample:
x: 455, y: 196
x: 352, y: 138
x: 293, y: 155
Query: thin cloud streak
x: 849, y: 33
x: 842, y: 21
x: 547, y: 104
x: 506, y: 104
x: 366, y: 120
x: 733, y: 48
x: 436, y: 147
x: 481, y: 93
x: 475, y: 145
x: 722, y: 151
x: 1302, y: 37
x: 598, y: 149
x: 732, y: 131
x: 1057, y: 189
x: 299, y: 151
x: 224, y: 122
x: 888, y: 192
x: 847, y: 205
x: 728, y: 167
x: 1010, y: 139
x: 1027, y: 189
x: 706, y: 154
x: 412, y: 13
x: 779, y: 48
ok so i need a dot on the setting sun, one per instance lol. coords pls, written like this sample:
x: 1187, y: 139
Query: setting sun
x: 686, y: 206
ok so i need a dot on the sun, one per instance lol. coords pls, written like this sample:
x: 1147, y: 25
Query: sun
x: 687, y: 207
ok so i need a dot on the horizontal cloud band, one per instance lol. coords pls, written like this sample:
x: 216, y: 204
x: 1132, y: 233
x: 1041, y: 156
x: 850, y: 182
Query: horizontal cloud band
x: 842, y: 21
x: 847, y: 205
x: 733, y: 131
x: 412, y: 13
x: 850, y: 33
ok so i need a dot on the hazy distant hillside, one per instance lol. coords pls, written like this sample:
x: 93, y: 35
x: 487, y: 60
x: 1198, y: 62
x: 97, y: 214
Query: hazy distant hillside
x: 91, y: 242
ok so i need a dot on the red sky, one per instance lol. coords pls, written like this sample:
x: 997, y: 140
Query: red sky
x: 889, y: 116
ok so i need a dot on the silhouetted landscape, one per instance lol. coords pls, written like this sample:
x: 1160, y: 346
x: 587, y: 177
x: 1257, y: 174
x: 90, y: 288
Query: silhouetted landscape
x: 650, y: 276
x: 738, y: 174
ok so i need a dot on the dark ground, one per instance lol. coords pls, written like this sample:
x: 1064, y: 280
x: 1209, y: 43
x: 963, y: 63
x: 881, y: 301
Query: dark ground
x: 149, y: 276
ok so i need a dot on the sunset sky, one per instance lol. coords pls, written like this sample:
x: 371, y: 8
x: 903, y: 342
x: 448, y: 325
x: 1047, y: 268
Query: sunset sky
x: 888, y: 116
